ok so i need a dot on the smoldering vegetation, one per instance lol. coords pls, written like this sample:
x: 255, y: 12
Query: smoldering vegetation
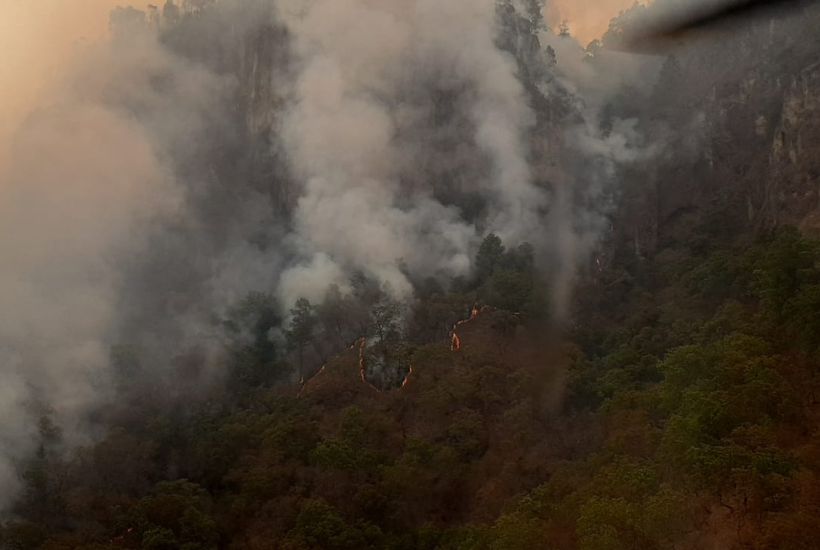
x: 213, y: 164
x: 227, y: 194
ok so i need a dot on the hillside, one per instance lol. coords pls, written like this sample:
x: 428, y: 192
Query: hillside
x: 391, y: 302
x: 693, y: 423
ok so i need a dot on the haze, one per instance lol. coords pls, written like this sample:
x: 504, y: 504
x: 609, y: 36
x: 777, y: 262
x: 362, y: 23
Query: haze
x: 38, y: 39
x: 587, y: 19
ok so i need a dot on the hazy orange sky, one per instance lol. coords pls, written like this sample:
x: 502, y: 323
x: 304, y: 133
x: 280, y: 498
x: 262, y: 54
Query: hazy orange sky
x: 588, y: 19
x: 39, y: 37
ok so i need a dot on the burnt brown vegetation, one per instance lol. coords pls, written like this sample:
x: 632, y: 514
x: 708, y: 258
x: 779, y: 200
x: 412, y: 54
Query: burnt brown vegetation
x: 688, y: 417
x: 678, y: 405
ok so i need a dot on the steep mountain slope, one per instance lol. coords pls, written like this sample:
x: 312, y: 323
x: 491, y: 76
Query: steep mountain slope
x: 638, y: 369
x: 746, y: 98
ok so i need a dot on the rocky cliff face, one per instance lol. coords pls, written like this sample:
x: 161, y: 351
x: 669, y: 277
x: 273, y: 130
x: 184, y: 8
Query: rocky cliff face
x: 735, y: 117
x: 793, y: 190
x: 763, y: 134
x: 737, y: 114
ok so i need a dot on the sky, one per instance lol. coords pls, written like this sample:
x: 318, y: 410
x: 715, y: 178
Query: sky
x: 588, y: 19
x: 38, y: 39
x: 82, y: 182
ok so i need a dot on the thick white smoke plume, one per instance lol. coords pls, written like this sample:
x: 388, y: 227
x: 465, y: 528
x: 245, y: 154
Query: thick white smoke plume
x: 81, y: 179
x: 69, y: 202
x: 144, y: 201
x: 84, y: 182
x: 362, y: 208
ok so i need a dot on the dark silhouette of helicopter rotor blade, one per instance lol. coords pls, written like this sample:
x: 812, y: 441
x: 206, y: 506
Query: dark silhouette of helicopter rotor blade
x: 732, y: 11
x: 665, y: 33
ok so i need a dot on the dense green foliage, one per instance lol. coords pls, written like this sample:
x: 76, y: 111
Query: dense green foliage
x: 690, y: 419
x: 677, y: 407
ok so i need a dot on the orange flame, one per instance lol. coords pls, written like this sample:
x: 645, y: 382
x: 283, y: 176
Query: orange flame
x: 363, y: 369
x: 304, y: 382
x: 456, y: 342
x: 362, y: 366
x: 407, y: 378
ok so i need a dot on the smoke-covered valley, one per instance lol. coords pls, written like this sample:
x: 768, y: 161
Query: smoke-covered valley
x: 281, y: 148
x: 222, y: 197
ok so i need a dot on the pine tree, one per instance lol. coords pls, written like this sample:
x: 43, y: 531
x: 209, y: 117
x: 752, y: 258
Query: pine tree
x: 302, y: 326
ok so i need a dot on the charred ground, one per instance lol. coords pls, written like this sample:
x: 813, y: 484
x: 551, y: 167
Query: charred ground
x: 674, y: 405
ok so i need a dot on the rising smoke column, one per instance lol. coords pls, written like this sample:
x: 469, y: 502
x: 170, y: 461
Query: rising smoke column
x: 119, y: 220
x: 364, y: 206
x: 82, y: 178
x: 86, y: 176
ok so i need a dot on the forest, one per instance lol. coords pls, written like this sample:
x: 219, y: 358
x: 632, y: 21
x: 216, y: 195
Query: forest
x: 689, y: 419
x: 629, y: 360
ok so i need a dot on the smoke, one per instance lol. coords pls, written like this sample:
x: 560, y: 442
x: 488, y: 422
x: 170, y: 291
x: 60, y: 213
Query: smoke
x: 33, y: 307
x: 587, y: 19
x: 84, y: 181
x: 161, y: 181
x: 602, y: 144
x: 69, y: 199
x: 39, y: 40
x: 357, y: 134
